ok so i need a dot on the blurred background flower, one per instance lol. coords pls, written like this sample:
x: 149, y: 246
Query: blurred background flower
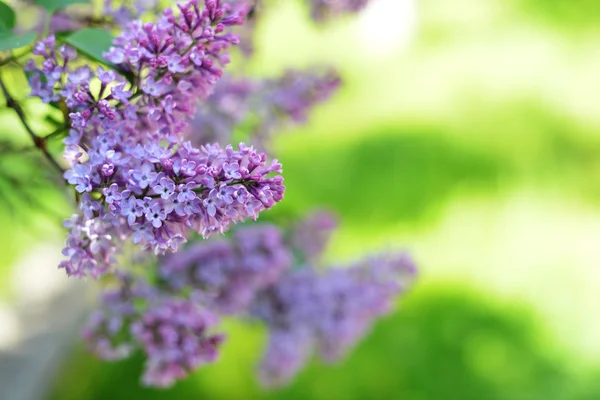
x: 465, y: 132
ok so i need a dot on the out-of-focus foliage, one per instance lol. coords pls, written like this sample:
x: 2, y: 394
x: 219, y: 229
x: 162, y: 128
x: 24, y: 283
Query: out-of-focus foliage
x: 396, y: 176
x: 570, y: 14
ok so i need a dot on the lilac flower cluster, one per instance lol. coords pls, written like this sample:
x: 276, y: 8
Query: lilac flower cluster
x: 174, y: 334
x: 226, y: 274
x: 262, y: 105
x: 156, y: 200
x: 49, y: 81
x: 135, y: 174
x: 330, y: 311
x: 262, y: 273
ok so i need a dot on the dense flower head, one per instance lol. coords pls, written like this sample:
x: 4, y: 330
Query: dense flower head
x: 178, y: 59
x: 135, y: 173
x: 226, y: 274
x: 262, y: 105
x: 155, y: 196
x: 304, y: 308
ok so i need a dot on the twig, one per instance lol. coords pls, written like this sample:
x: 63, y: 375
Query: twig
x: 14, y: 58
x: 57, y: 132
x: 38, y: 141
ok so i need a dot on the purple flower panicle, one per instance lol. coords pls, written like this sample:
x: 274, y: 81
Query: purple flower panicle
x: 129, y: 158
x: 334, y: 309
x: 175, y: 335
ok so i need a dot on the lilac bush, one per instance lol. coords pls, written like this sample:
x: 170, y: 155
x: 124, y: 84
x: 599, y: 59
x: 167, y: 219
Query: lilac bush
x: 147, y: 120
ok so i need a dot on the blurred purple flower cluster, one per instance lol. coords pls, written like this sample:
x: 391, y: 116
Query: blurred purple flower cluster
x: 324, y: 10
x: 329, y: 311
x: 125, y: 11
x: 259, y: 272
x: 174, y: 333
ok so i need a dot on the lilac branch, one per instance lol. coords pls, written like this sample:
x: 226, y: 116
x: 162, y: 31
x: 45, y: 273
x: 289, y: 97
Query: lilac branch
x: 38, y: 141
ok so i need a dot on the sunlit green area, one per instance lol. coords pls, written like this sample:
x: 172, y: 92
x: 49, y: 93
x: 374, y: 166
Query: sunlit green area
x: 467, y: 132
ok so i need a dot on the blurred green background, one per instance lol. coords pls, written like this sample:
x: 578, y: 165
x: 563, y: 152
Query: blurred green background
x: 466, y: 132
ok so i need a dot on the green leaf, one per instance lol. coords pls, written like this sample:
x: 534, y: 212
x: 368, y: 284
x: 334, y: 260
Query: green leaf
x: 7, y: 17
x: 92, y: 42
x: 10, y: 41
x: 55, y: 5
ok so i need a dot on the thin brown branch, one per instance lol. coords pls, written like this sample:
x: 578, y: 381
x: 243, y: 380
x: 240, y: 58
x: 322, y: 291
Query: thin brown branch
x: 14, y: 57
x: 38, y: 141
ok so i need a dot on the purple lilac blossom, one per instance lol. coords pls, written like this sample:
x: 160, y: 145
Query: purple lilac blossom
x: 336, y: 308
x: 136, y: 175
x: 174, y: 334
x: 305, y: 309
x: 226, y: 274
x: 176, y: 337
x: 267, y: 105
